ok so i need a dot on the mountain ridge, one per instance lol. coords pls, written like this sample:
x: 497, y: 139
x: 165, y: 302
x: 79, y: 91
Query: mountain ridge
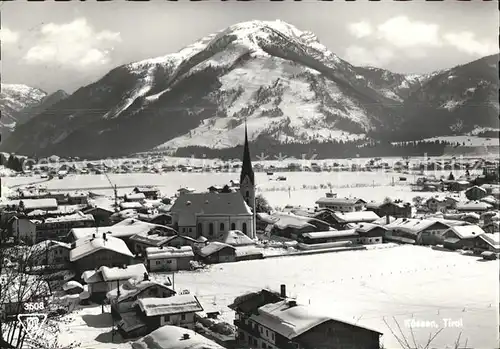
x: 287, y: 85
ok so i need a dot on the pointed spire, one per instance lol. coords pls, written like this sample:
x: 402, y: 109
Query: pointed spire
x: 246, y: 168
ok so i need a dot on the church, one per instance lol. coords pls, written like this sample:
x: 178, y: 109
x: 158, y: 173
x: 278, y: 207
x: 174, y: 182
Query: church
x: 212, y: 214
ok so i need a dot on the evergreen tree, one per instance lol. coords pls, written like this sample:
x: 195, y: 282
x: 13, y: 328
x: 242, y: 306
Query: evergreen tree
x: 451, y: 177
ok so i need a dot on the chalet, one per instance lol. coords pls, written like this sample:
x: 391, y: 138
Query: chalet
x: 56, y: 228
x: 330, y: 236
x: 492, y: 227
x: 475, y: 193
x: 459, y: 185
x: 451, y: 202
x: 341, y: 204
x: 158, y: 218
x: 210, y: 214
x: 174, y: 337
x: 101, y: 215
x: 185, y: 190
x: 473, y: 206
x: 103, y: 280
x: 290, y: 225
x: 490, y: 188
x: 487, y: 242
x: 29, y: 205
x: 416, y: 231
x: 169, y: 258
x: 51, y: 253
x: 100, y: 251
x: 178, y: 241
x: 78, y: 198
x: 264, y: 322
x: 140, y: 242
x: 135, y: 197
x: 341, y: 220
x: 123, y: 297
x: 436, y: 204
x: 394, y: 208
x: 217, y: 252
x: 150, y: 193
x: 369, y: 233
x: 178, y: 310
x: 60, y: 197
x: 131, y: 205
x: 461, y: 236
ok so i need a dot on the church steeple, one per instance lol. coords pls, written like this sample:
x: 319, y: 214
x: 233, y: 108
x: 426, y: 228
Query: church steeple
x: 246, y: 167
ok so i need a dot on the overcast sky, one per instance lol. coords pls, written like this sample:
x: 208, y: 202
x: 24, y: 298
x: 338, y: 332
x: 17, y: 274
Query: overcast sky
x: 67, y: 45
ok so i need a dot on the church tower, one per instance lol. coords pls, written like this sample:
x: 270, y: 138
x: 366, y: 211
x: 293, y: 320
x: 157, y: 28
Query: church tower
x: 247, y: 182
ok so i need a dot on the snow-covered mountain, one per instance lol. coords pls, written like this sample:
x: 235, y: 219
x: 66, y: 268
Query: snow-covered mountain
x: 19, y: 103
x: 283, y: 81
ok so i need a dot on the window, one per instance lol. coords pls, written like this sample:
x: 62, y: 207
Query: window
x: 272, y: 335
x: 260, y: 329
x: 247, y: 194
x: 183, y: 317
x: 233, y: 226
x: 158, y: 262
x: 190, y: 230
x: 166, y: 318
x: 169, y: 261
x: 244, y: 228
x: 221, y: 227
x: 211, y: 229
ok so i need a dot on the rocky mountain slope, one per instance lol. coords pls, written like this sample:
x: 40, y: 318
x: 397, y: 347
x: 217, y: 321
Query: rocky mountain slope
x: 19, y: 103
x: 288, y: 86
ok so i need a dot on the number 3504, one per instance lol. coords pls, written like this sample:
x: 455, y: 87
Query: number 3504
x: 34, y: 306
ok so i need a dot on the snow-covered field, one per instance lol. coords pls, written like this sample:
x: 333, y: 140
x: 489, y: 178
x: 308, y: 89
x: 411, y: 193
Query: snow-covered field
x: 367, y: 185
x: 364, y: 287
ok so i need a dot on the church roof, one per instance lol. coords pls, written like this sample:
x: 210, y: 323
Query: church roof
x: 246, y: 167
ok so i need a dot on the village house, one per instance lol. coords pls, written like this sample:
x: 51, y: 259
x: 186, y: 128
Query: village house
x: 157, y: 218
x: 60, y: 197
x: 461, y: 237
x: 487, y: 242
x: 416, y: 231
x: 290, y: 225
x: 123, y: 297
x: 269, y: 320
x: 186, y: 190
x: 475, y: 193
x: 174, y: 337
x: 369, y: 233
x: 436, y: 204
x: 451, y: 202
x: 341, y: 204
x: 150, y: 193
x: 54, y: 228
x: 28, y: 205
x: 327, y: 237
x: 140, y: 242
x: 216, y: 252
x: 78, y: 198
x: 100, y: 251
x: 235, y: 238
x: 169, y: 258
x: 492, y: 227
x: 395, y: 208
x: 178, y: 310
x: 101, y: 215
x: 135, y: 197
x: 459, y: 185
x: 489, y: 187
x: 210, y: 214
x: 51, y: 253
x: 102, y: 280
x: 473, y: 206
x: 347, y: 219
x: 131, y: 205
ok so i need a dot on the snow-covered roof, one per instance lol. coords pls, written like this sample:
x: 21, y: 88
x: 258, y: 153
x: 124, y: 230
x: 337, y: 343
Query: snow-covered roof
x: 475, y: 187
x: 135, y: 196
x: 151, y: 239
x: 291, y: 321
x: 356, y: 217
x: 330, y: 234
x: 132, y: 288
x: 473, y: 205
x: 383, y: 220
x: 169, y: 252
x: 213, y: 247
x: 235, y: 238
x: 184, y: 303
x: 130, y: 205
x: 92, y: 276
x: 135, y: 271
x: 339, y: 201
x: 492, y: 239
x: 77, y: 217
x: 467, y: 231
x: 146, y: 189
x: 412, y: 225
x: 91, y: 246
x: 34, y: 204
x: 126, y: 228
x: 366, y: 227
x: 77, y: 194
x: 172, y: 337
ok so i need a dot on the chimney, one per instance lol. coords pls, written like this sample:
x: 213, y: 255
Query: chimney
x: 283, y: 291
x: 185, y: 336
x: 146, y: 276
x: 104, y: 236
x: 292, y: 303
x: 387, y: 219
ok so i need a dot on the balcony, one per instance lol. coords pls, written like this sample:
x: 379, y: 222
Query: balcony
x: 253, y: 330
